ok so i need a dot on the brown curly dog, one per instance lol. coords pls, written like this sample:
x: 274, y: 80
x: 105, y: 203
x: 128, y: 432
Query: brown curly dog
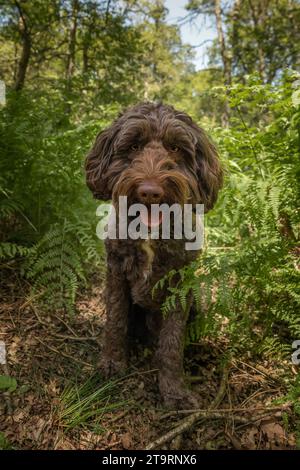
x: 152, y: 154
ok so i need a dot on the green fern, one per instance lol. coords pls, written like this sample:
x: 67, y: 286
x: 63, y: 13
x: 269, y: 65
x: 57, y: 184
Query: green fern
x: 251, y: 279
x: 12, y: 250
x: 9, y: 208
x: 56, y: 265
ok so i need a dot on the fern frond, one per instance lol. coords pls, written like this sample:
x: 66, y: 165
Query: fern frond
x: 56, y: 264
x: 12, y: 250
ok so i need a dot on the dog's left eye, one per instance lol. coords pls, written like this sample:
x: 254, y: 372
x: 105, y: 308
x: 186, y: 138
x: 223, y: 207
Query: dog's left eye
x: 174, y: 148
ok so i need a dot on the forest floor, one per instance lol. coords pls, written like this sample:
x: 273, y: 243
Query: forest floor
x: 47, y: 353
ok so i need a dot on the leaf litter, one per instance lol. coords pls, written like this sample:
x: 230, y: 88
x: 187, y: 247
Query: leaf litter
x: 60, y: 401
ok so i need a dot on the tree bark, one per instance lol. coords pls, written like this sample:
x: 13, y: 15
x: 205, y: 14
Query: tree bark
x: 237, y: 53
x: 226, y: 58
x: 70, y: 65
x: 26, y: 49
x: 85, y: 57
x: 258, y: 18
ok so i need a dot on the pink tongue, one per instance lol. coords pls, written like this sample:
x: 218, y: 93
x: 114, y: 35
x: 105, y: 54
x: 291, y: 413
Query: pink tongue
x: 151, y: 221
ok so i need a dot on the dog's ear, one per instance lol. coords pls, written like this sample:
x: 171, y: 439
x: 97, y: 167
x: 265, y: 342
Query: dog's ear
x: 97, y: 163
x: 209, y: 170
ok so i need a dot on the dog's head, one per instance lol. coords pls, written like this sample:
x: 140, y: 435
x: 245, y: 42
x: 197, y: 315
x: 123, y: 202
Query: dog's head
x: 154, y: 154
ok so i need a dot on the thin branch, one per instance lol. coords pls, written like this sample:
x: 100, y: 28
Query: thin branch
x: 226, y: 411
x: 201, y: 43
x: 190, y: 421
x: 62, y: 353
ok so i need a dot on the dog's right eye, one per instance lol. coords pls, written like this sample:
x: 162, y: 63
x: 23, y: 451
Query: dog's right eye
x: 135, y: 147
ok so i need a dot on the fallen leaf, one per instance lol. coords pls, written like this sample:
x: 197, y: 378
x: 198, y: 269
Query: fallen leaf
x: 274, y: 432
x: 126, y: 441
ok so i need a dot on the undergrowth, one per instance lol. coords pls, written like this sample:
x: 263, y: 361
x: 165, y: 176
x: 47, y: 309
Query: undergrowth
x: 246, y: 283
x: 83, y: 405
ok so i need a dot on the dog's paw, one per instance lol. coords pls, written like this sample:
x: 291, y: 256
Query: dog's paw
x: 109, y: 367
x: 176, y: 395
x: 183, y: 399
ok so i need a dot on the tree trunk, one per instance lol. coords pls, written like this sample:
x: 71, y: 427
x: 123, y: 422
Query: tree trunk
x: 26, y: 49
x: 70, y: 65
x: 234, y: 19
x: 258, y: 18
x: 226, y: 58
x: 85, y: 58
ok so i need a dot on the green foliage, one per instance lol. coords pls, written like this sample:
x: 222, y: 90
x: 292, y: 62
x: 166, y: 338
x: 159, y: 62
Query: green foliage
x: 8, y: 383
x: 41, y: 162
x: 257, y: 35
x: 4, y: 443
x: 47, y: 214
x: 87, y: 60
x: 293, y: 396
x: 57, y: 263
x: 246, y: 283
x: 164, y: 60
x: 83, y: 405
x: 12, y: 250
x: 253, y: 35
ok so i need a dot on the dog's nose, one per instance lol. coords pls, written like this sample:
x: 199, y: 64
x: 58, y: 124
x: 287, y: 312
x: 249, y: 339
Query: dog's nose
x: 150, y: 192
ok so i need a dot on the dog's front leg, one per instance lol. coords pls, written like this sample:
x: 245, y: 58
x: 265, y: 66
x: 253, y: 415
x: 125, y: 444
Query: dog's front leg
x: 169, y: 358
x: 114, y: 354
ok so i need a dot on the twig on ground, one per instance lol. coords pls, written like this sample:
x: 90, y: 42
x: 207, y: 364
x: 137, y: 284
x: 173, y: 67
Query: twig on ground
x: 74, y: 335
x: 74, y: 338
x: 259, y: 393
x: 258, y: 371
x: 122, y: 415
x: 186, y: 424
x: 227, y: 410
x: 189, y: 422
x: 42, y: 322
x: 66, y: 325
x: 234, y: 441
x: 30, y: 299
x: 195, y: 378
x: 75, y: 359
x: 113, y: 444
x: 260, y: 417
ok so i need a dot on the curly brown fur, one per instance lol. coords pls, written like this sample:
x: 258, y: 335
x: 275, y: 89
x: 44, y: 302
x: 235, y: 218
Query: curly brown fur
x: 157, y: 145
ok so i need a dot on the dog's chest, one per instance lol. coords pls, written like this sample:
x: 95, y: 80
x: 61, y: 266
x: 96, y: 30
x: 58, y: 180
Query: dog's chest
x: 152, y: 261
x: 147, y: 246
x: 146, y: 269
x: 145, y: 262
